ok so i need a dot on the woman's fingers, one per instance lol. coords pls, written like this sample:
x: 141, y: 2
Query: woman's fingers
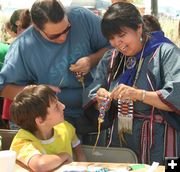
x: 102, y: 96
x: 123, y: 92
x: 117, y: 92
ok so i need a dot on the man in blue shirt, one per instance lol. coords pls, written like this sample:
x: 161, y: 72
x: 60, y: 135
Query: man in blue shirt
x: 59, y: 45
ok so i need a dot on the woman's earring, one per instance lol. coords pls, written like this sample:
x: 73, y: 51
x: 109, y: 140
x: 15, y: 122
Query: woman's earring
x: 140, y: 39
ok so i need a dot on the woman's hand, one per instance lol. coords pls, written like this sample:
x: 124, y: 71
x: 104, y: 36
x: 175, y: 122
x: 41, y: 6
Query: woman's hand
x: 102, y: 95
x: 126, y: 92
x: 123, y: 92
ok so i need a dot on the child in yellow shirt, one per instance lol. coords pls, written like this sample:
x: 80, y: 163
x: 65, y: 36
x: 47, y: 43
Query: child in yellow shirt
x: 45, y: 140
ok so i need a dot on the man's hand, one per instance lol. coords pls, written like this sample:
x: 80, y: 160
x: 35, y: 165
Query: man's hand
x: 83, y: 66
x: 54, y: 88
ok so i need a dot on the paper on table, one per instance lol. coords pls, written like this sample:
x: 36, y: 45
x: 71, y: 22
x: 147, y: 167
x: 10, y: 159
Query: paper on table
x: 153, y: 167
x: 90, y: 169
x: 97, y: 169
x: 73, y: 168
x: 120, y: 170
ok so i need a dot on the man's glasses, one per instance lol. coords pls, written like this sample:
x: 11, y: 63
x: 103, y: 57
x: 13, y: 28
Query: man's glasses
x: 55, y: 36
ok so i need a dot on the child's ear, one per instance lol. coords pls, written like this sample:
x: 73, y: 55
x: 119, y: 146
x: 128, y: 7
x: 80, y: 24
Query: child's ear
x: 39, y: 121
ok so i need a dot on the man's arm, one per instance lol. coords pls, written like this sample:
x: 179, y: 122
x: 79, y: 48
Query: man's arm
x: 96, y: 57
x: 10, y: 91
x: 84, y: 64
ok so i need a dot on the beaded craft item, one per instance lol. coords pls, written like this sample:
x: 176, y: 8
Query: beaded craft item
x: 80, y: 78
x: 102, y: 111
x: 125, y: 117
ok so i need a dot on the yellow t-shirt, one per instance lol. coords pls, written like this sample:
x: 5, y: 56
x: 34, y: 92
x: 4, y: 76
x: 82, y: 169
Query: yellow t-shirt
x: 27, y: 145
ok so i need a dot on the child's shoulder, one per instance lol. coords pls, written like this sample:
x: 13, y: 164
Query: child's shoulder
x: 24, y: 134
x: 64, y: 125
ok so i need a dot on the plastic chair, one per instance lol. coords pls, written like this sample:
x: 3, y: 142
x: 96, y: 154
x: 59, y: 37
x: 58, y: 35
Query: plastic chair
x: 111, y: 154
x: 7, y: 137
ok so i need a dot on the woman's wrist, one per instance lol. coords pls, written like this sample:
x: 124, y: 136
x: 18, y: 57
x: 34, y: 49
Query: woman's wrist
x: 143, y: 95
x: 140, y: 95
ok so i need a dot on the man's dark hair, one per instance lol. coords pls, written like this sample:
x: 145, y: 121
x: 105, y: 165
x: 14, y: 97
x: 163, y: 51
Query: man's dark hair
x: 118, y: 15
x: 44, y: 11
x: 31, y: 103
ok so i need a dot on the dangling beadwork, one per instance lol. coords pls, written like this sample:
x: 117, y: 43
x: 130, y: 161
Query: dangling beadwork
x: 125, y: 117
x: 80, y: 78
x: 102, y: 111
x: 131, y: 62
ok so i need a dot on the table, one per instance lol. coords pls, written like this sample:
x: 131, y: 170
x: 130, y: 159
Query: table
x: 87, y: 165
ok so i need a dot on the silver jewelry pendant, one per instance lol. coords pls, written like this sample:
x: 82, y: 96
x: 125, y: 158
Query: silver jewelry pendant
x: 131, y: 62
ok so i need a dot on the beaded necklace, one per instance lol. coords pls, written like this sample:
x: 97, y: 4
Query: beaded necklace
x: 123, y: 57
x: 139, y: 65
